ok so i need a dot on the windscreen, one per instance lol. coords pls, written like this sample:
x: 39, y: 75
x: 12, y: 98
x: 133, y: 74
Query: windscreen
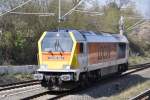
x: 57, y: 42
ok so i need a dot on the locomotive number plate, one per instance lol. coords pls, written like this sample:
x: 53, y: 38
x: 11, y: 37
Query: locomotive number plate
x: 56, y: 58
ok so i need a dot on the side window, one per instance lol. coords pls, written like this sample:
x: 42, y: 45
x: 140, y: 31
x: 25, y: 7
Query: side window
x: 81, y: 48
x: 122, y: 50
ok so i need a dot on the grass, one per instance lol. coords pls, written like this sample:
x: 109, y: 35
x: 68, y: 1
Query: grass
x: 23, y: 76
x: 17, y: 77
x: 138, y: 59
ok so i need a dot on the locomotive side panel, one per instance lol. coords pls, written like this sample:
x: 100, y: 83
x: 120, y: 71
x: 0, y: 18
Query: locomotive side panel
x: 107, y: 58
x: 101, y: 52
x: 92, y: 53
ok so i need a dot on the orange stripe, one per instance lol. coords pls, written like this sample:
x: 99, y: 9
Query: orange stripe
x: 66, y: 56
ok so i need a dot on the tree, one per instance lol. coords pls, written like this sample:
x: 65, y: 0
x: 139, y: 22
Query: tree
x: 18, y: 42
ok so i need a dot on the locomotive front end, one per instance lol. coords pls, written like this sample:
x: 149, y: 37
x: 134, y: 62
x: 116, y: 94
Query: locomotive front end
x: 56, y: 59
x: 55, y: 51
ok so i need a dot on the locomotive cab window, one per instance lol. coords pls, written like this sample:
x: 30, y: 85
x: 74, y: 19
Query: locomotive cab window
x: 122, y: 50
x: 81, y: 47
x: 57, y: 42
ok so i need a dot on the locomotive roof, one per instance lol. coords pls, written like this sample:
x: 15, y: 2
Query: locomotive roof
x: 91, y: 36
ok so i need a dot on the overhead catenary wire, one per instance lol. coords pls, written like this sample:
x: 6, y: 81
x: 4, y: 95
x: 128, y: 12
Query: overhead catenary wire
x: 138, y: 18
x: 24, y: 13
x: 85, y: 11
x: 137, y: 23
x: 2, y: 14
x: 49, y: 14
x: 88, y: 12
x: 133, y: 26
x: 70, y: 11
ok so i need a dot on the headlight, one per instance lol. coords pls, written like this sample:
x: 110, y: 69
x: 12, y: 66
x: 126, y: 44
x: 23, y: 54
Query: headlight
x: 66, y: 77
x: 44, y: 67
x: 66, y: 67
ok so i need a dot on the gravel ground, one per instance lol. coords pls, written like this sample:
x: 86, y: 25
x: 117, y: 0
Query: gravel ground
x: 19, y: 93
x: 122, y: 89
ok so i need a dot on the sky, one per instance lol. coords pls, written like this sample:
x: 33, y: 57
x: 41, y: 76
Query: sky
x: 142, y: 6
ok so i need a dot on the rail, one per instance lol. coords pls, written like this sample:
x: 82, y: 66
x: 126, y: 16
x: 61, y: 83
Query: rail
x: 18, y: 85
x: 139, y: 66
x: 142, y: 96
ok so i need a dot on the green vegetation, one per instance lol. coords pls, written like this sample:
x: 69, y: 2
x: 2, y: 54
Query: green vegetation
x: 19, y: 76
x: 20, y: 33
x: 16, y: 77
x: 140, y: 43
x: 138, y: 60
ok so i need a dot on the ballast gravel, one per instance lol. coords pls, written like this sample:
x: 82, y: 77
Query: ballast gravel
x: 116, y: 90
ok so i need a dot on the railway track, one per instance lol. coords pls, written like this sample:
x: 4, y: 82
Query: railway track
x: 132, y: 69
x: 52, y: 95
x: 20, y: 92
x: 143, y: 96
x: 18, y: 85
x: 144, y: 65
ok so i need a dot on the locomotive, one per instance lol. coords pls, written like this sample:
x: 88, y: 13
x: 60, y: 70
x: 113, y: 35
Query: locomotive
x: 68, y: 57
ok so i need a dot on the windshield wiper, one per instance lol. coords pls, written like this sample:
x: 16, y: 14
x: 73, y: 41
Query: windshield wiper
x: 51, y: 52
x: 57, y: 45
x: 62, y: 51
